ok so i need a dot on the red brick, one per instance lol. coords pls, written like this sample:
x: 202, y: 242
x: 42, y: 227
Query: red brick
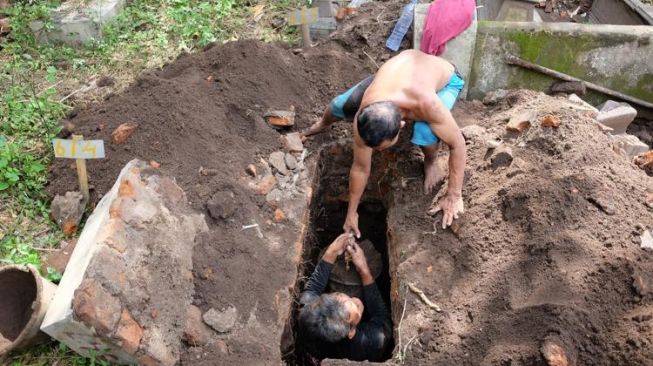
x: 122, y: 133
x: 95, y: 307
x: 129, y: 332
x: 644, y: 160
x: 521, y: 121
x: 279, y: 215
x: 550, y: 121
x: 266, y: 184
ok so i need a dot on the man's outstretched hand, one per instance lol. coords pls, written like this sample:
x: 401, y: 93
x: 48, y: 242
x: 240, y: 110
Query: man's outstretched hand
x: 451, y: 206
x: 351, y: 225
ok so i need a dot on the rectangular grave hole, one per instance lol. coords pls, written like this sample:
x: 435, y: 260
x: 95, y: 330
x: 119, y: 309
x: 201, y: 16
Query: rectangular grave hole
x: 328, y: 212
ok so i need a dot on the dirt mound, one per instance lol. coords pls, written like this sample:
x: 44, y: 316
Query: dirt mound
x: 545, y: 260
x: 548, y: 249
x: 365, y: 32
x: 205, y: 111
x: 201, y: 119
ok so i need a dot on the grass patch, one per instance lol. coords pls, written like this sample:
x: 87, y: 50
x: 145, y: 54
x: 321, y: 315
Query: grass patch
x: 40, y: 83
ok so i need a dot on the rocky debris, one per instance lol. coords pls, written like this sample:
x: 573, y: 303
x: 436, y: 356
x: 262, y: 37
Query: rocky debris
x: 5, y: 26
x: 291, y: 162
x: 122, y: 133
x: 630, y: 144
x: 222, y: 205
x: 278, y: 161
x: 196, y: 333
x: 581, y: 104
x: 281, y: 119
x: 136, y: 255
x: 550, y: 121
x: 251, y: 170
x: 502, y: 157
x: 644, y: 160
x: 521, y: 120
x: 221, y: 321
x: 617, y: 116
x: 67, y: 130
x: 155, y: 164
x: 554, y: 354
x: 494, y: 97
x: 265, y: 185
x: 58, y: 260
x: 493, y: 143
x: 279, y: 215
x: 642, y: 282
x: 646, y: 240
x: 473, y: 132
x: 293, y: 142
x: 208, y: 172
x: 602, y: 200
x: 67, y: 211
x: 568, y: 87
x: 274, y: 197
x: 518, y: 166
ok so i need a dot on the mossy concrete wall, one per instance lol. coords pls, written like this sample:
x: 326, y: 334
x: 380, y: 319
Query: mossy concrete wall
x: 614, y: 56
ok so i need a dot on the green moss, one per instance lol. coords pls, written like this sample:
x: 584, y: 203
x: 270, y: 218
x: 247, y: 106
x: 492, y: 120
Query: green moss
x: 559, y: 51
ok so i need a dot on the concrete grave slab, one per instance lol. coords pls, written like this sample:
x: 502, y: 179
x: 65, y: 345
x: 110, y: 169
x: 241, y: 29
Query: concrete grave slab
x: 125, y: 292
x: 77, y: 24
x: 460, y: 50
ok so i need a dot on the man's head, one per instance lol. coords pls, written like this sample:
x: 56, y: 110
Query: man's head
x: 331, y: 317
x: 378, y: 124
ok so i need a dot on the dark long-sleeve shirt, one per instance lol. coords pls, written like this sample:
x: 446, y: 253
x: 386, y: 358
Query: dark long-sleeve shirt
x: 373, y: 333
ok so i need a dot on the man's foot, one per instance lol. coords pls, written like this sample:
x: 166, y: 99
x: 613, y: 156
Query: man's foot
x: 433, y: 174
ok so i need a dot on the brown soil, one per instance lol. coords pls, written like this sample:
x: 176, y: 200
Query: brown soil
x: 548, y: 248
x: 365, y: 32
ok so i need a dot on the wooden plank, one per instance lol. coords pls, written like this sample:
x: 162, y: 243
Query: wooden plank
x: 81, y: 173
x: 303, y: 16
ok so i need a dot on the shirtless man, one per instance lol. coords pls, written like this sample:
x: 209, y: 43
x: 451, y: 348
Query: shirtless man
x: 412, y: 86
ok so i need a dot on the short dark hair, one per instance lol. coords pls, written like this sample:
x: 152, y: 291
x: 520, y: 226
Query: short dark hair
x: 378, y: 122
x: 325, y: 319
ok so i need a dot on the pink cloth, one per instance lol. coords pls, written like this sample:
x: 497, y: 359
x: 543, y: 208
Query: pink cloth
x: 445, y: 20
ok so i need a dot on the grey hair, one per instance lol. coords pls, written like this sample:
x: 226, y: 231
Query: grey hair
x: 325, y: 319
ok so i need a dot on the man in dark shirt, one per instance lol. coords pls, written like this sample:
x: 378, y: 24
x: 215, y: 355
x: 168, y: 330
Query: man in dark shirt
x: 338, y: 326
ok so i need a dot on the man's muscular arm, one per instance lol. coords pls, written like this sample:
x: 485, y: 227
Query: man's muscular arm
x: 358, y: 176
x: 444, y: 126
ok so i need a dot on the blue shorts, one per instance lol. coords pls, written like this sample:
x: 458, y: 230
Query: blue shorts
x: 345, y: 106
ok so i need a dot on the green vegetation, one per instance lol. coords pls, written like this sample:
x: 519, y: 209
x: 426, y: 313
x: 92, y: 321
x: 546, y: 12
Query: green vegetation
x: 40, y: 83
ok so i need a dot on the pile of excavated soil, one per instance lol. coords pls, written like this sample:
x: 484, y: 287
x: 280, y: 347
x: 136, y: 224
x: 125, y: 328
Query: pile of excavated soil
x: 548, y: 249
x: 547, y: 253
x: 201, y: 119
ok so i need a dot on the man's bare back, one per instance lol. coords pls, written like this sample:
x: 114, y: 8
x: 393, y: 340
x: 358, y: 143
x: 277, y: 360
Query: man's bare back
x: 412, y: 86
x: 405, y: 76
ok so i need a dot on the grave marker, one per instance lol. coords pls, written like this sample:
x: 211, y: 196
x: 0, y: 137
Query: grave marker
x: 303, y: 18
x: 80, y: 150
